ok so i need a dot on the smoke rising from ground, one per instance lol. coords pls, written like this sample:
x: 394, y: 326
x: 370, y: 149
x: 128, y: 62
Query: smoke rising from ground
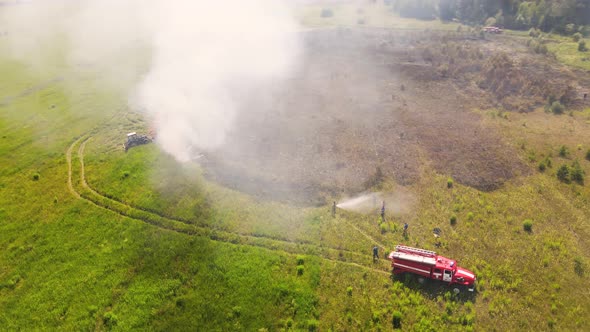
x: 202, y: 55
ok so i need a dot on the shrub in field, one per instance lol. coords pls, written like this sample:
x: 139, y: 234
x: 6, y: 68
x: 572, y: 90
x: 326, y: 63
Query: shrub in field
x: 300, y: 269
x: 563, y: 151
x: 453, y: 220
x: 542, y: 166
x: 528, y: 225
x: 557, y: 108
x: 300, y: 259
x: 313, y: 325
x: 582, y: 46
x: 577, y: 173
x: 289, y: 323
x: 470, y: 216
x: 449, y: 183
x: 125, y: 174
x: 397, y: 320
x: 36, y: 177
x: 577, y: 36
x: 326, y: 12
x: 563, y: 174
x: 110, y: 319
x: 548, y: 162
x: 588, y: 155
x: 349, y: 291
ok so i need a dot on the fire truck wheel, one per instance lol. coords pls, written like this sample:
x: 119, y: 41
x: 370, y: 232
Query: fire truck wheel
x: 456, y: 290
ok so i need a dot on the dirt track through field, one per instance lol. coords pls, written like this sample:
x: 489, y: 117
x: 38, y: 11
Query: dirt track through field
x: 169, y: 224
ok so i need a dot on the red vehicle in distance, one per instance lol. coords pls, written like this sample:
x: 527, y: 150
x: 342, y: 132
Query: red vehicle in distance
x: 427, y: 264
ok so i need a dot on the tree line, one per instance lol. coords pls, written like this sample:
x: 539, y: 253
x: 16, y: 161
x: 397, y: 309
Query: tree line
x: 560, y: 16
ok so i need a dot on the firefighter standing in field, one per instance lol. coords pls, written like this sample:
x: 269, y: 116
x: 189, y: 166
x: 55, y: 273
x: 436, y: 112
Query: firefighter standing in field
x: 375, y: 253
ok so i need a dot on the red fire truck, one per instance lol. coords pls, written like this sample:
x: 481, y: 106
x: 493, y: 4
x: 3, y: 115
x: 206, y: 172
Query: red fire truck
x: 427, y: 264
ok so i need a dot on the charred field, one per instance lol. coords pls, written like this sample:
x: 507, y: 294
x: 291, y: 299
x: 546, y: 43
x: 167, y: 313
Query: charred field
x: 368, y: 100
x: 453, y: 131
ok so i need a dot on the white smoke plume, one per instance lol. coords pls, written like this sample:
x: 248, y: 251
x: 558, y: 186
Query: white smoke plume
x: 200, y: 54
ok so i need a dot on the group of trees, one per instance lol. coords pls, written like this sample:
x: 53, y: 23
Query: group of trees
x: 562, y: 16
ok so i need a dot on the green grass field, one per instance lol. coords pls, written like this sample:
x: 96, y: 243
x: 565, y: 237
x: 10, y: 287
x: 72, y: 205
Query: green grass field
x: 147, y: 244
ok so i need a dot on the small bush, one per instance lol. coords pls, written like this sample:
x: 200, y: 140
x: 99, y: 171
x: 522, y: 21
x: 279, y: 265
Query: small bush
x: 528, y: 225
x: 300, y: 270
x: 588, y: 155
x: 579, y: 266
x: 563, y: 174
x: 542, y: 166
x: 313, y: 325
x: 300, y: 259
x: 548, y: 162
x: 397, y: 320
x: 577, y: 36
x: 110, y: 319
x: 453, y: 220
x: 326, y: 12
x: 125, y: 174
x: 289, y: 322
x: 449, y: 183
x: 582, y: 46
x: 577, y: 173
x: 563, y: 151
x: 470, y: 216
x: 36, y: 177
x: 349, y: 291
x: 557, y: 108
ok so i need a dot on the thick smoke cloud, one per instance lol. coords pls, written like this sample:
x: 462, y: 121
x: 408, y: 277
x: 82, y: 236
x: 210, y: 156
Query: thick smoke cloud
x: 201, y: 55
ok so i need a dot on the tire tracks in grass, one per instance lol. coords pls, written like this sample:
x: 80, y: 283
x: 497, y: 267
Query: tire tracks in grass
x: 92, y: 196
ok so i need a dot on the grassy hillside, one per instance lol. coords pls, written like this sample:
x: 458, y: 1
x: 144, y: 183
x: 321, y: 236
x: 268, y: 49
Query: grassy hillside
x: 93, y: 238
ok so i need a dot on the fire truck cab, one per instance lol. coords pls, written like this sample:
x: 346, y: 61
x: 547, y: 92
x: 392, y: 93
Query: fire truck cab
x: 428, y: 264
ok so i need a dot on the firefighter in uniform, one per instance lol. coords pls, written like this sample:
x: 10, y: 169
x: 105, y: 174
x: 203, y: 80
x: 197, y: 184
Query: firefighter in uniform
x: 375, y: 253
